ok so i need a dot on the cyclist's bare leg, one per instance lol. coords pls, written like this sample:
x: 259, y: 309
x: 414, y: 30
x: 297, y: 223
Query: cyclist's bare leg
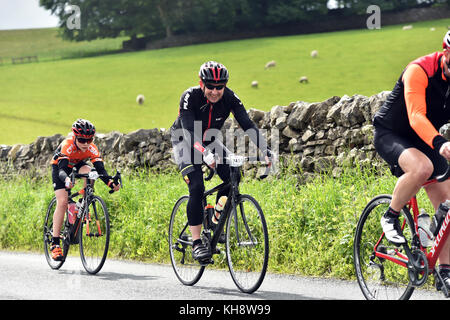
x: 61, y: 205
x: 417, y: 168
x: 58, y: 215
x: 438, y: 193
x: 195, y: 231
x: 83, y: 170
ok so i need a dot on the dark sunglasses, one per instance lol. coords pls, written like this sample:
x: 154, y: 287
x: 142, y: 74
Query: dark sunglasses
x: 212, y: 87
x: 83, y: 140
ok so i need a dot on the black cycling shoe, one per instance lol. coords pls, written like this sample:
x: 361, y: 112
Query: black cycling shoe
x: 200, y: 252
x: 445, y: 275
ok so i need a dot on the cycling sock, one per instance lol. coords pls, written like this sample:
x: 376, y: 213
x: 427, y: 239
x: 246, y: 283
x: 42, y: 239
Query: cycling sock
x: 55, y: 240
x: 391, y: 212
x: 196, y: 242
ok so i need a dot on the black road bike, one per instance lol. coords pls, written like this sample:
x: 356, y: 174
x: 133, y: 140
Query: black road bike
x: 90, y: 230
x: 246, y: 237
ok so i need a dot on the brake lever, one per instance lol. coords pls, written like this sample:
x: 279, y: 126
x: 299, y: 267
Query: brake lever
x: 117, y: 179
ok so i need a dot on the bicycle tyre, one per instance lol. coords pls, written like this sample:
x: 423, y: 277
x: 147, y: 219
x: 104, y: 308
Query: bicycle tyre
x: 187, y: 270
x: 48, y: 234
x: 379, y: 278
x: 94, y: 236
x: 247, y: 244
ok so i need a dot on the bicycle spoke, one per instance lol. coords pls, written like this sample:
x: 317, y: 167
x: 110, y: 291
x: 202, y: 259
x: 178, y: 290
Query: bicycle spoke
x: 247, y: 245
x: 95, y: 236
x: 187, y: 270
x: 380, y: 266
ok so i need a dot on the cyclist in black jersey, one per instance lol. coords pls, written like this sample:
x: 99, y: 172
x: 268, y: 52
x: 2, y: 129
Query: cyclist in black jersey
x: 195, y: 134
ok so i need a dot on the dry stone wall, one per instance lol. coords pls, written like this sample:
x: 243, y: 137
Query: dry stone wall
x: 314, y: 136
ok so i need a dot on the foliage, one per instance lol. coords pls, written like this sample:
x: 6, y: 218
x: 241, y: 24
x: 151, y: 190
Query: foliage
x: 163, y: 18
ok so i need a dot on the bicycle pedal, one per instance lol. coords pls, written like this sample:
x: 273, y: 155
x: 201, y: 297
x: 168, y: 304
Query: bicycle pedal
x: 205, y: 262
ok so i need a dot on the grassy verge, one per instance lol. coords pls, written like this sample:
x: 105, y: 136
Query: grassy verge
x: 311, y: 226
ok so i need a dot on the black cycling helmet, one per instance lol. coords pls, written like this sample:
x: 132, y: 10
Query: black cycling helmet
x: 83, y: 129
x: 213, y: 72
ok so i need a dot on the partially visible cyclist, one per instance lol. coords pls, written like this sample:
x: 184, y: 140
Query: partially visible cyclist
x: 407, y: 137
x: 73, y: 152
x: 203, y: 111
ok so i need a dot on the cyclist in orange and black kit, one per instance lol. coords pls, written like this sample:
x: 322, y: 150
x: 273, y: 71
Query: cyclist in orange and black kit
x: 407, y: 137
x: 204, y: 109
x: 73, y: 152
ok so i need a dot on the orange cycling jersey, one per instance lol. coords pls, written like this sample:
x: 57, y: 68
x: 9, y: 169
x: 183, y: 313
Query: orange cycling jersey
x: 418, y: 105
x: 415, y: 79
x: 69, y: 150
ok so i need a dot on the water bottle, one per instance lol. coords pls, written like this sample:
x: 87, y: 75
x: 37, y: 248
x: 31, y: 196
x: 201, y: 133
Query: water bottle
x: 72, y: 210
x: 80, y: 204
x: 438, y: 218
x: 425, y: 235
x: 219, y: 208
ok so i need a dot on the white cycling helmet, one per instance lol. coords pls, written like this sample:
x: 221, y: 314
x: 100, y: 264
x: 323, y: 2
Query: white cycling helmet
x: 446, y: 41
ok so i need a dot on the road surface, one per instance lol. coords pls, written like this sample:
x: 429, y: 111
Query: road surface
x: 26, y: 276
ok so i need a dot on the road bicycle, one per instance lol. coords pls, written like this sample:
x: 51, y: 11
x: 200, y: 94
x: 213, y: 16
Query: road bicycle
x: 385, y: 271
x: 246, y: 237
x: 91, y: 229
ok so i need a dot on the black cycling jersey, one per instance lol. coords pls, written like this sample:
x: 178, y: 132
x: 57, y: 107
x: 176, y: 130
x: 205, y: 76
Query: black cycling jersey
x: 195, y: 107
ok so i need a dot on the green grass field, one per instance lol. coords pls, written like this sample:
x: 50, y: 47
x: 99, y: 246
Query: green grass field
x: 41, y: 99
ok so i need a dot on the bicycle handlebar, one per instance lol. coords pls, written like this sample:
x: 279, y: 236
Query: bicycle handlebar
x: 238, y: 161
x: 93, y: 175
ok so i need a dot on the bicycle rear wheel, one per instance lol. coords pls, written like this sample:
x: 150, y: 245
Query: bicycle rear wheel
x: 380, y: 278
x: 94, y: 237
x: 48, y: 234
x: 187, y: 270
x: 247, y: 244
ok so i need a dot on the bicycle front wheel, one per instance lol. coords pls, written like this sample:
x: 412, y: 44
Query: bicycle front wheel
x: 187, y: 270
x: 48, y: 234
x: 247, y: 244
x: 381, y: 278
x: 94, y: 237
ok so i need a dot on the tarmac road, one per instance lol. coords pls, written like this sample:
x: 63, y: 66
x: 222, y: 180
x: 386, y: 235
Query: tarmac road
x: 26, y: 276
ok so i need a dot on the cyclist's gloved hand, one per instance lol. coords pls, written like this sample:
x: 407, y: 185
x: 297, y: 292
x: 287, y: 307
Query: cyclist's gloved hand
x: 114, y: 186
x: 209, y: 158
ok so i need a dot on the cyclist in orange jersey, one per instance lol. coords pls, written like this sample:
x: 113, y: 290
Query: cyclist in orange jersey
x: 407, y: 137
x: 73, y: 152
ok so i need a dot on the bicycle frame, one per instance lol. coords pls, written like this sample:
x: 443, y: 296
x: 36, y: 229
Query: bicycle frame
x: 230, y: 204
x: 433, y: 254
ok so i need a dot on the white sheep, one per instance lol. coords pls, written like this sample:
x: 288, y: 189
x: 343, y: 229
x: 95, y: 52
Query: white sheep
x: 314, y: 53
x: 304, y: 79
x: 408, y: 27
x: 270, y: 64
x: 254, y: 84
x: 140, y: 99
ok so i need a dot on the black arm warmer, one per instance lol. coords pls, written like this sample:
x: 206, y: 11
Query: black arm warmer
x: 100, y: 167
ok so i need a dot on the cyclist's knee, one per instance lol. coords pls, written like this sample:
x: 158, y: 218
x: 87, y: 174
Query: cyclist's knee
x: 84, y: 169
